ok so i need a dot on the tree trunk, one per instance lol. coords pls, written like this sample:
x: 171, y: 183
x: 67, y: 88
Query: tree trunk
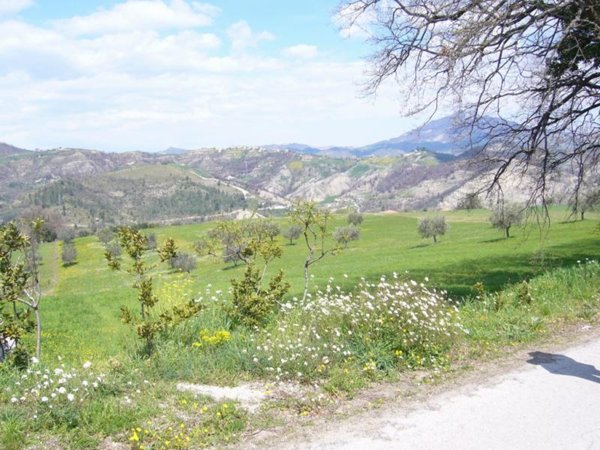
x: 434, y: 239
x: 38, y: 333
x: 582, y: 214
x: 507, y: 232
x: 305, y: 278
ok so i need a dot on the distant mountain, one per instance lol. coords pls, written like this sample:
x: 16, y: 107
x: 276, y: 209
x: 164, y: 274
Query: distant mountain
x: 9, y: 150
x: 441, y: 136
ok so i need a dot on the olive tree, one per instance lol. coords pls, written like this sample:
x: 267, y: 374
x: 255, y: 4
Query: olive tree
x: 488, y: 56
x: 253, y: 243
x: 344, y: 235
x: 292, y: 233
x: 355, y: 218
x: 506, y: 216
x: 432, y: 227
x: 68, y: 253
x: 585, y: 200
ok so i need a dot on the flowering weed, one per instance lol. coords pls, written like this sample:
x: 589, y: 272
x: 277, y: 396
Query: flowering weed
x: 381, y: 324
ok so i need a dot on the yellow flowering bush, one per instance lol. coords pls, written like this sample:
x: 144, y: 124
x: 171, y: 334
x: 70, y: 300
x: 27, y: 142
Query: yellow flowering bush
x: 208, y: 339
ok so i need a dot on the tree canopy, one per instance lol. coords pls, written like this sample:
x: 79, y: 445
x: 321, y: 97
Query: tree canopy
x: 532, y: 65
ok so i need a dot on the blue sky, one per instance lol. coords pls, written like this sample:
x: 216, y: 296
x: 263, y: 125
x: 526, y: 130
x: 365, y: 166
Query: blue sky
x: 148, y: 74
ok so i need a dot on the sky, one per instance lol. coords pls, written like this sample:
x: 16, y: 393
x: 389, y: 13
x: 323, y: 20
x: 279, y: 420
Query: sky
x: 121, y: 75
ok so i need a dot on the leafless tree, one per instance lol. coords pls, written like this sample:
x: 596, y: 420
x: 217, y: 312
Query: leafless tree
x: 532, y: 65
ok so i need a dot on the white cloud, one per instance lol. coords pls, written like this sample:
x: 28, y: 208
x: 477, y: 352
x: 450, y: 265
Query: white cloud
x: 302, y: 51
x: 9, y: 7
x: 242, y: 37
x: 140, y: 15
x: 150, y: 85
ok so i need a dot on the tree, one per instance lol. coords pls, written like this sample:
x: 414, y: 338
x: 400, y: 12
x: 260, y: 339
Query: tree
x: 151, y: 240
x: 183, y: 262
x: 19, y: 282
x: 485, y: 55
x: 584, y: 201
x: 314, y: 223
x: 506, y: 216
x: 68, y: 253
x: 14, y: 321
x: 147, y: 324
x: 105, y: 235
x: 268, y: 229
x: 240, y: 241
x: 355, y: 218
x: 432, y: 227
x: 292, y: 233
x: 252, y: 242
x: 470, y: 201
x: 344, y: 235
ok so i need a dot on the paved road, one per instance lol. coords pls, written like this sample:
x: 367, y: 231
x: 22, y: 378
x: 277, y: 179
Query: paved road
x: 551, y: 402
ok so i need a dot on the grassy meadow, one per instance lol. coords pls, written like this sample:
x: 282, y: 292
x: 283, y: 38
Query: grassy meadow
x: 81, y: 310
x: 355, y: 328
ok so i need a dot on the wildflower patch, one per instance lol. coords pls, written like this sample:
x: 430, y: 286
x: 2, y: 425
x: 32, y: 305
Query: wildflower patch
x: 381, y: 324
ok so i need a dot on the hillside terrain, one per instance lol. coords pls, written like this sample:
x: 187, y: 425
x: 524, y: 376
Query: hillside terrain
x: 309, y: 357
x: 423, y: 169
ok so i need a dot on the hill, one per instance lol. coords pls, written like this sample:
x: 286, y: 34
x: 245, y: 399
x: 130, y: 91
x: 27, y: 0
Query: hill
x: 423, y: 169
x: 446, y: 136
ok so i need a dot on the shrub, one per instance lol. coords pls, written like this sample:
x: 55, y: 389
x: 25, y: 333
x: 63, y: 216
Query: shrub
x: 113, y: 249
x: 151, y: 242
x: 105, y: 235
x: 343, y: 235
x: 252, y: 304
x: 384, y: 323
x: 183, y: 262
x: 68, y: 254
x: 355, y: 218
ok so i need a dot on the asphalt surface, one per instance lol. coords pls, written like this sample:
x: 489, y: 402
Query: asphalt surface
x: 552, y: 401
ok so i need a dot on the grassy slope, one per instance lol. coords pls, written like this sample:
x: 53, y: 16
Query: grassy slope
x: 85, y: 298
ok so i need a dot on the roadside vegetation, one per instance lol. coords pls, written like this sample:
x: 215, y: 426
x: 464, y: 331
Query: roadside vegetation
x: 387, y: 303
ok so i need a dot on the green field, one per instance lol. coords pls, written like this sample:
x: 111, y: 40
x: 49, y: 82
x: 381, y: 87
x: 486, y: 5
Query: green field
x: 93, y: 383
x: 81, y: 316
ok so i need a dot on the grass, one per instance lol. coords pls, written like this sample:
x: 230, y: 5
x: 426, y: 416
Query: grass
x: 509, y: 291
x: 81, y: 314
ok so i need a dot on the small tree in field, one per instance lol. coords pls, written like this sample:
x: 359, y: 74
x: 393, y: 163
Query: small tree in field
x: 146, y: 323
x: 355, y: 218
x: 19, y: 282
x: 506, y: 216
x: 105, y: 235
x: 252, y: 242
x: 586, y: 201
x: 183, y: 262
x: 432, y: 227
x: 292, y: 233
x: 470, y: 201
x: 314, y: 222
x: 68, y: 253
x: 344, y: 235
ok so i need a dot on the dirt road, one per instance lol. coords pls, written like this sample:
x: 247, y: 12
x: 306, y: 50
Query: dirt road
x: 550, y: 401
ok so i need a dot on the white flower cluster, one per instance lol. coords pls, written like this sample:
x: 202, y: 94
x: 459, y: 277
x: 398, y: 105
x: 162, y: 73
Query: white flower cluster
x: 54, y: 387
x: 328, y: 326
